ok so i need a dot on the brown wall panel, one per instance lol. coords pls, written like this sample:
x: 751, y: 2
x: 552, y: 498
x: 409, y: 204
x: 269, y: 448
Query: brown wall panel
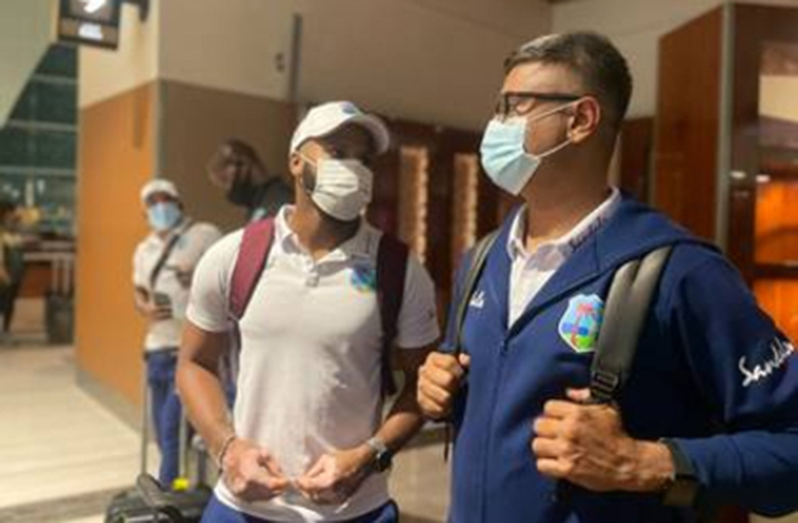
x: 779, y: 298
x: 115, y: 160
x: 755, y: 26
x: 765, y: 247
x: 688, y: 123
x: 196, y: 120
x: 637, y: 137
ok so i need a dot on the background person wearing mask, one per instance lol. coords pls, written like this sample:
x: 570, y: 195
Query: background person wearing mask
x: 709, y: 414
x: 308, y: 441
x: 163, y: 266
x: 237, y: 168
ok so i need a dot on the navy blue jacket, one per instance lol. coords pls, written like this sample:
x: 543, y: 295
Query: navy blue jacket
x: 711, y: 371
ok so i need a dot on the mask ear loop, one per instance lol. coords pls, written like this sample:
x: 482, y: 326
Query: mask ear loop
x: 565, y: 143
x: 302, y: 183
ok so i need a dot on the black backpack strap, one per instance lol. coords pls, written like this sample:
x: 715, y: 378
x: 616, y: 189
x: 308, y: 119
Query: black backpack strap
x: 392, y: 258
x: 167, y: 251
x: 625, y: 311
x: 628, y: 303
x: 479, y: 256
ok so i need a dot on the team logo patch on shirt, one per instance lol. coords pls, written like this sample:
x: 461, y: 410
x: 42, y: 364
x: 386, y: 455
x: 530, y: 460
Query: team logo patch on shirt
x: 579, y: 326
x: 364, y: 278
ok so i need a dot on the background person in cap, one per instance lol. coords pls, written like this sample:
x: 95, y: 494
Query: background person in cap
x: 308, y: 441
x: 163, y: 265
x: 237, y: 168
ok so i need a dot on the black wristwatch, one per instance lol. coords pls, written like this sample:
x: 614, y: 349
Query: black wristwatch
x: 683, y: 489
x: 383, y: 456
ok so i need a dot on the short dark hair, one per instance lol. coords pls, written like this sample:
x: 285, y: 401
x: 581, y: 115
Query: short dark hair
x: 601, y: 67
x: 243, y: 150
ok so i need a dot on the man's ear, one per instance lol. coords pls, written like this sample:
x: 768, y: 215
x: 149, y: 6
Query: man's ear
x: 295, y: 164
x: 585, y: 120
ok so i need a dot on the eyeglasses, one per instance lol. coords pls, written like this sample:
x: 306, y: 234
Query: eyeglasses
x: 521, y: 103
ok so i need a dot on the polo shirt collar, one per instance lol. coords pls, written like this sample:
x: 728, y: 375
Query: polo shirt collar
x: 358, y: 246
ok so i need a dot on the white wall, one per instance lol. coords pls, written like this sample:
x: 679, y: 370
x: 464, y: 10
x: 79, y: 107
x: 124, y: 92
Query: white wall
x: 778, y: 97
x: 105, y: 73
x: 229, y: 45
x: 430, y: 60
x: 26, y: 29
x: 636, y: 33
x: 636, y: 26
x: 436, y: 61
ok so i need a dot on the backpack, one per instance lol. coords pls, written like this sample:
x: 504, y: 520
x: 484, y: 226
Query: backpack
x: 392, y: 257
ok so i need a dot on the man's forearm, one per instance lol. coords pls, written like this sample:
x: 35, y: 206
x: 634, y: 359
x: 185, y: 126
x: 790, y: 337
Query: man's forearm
x: 204, y: 399
x: 404, y: 419
x: 755, y: 469
x: 140, y: 298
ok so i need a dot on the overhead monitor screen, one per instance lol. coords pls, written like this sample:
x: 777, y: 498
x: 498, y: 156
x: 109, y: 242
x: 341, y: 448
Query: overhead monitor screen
x: 90, y: 22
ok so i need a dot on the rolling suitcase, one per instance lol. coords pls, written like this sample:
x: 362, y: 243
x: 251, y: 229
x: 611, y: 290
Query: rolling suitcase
x: 149, y: 501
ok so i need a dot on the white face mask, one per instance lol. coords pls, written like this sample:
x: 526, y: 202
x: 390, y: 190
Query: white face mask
x: 343, y: 187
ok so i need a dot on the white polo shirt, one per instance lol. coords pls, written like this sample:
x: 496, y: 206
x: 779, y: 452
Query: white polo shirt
x: 309, y: 380
x: 193, y: 243
x: 531, y: 271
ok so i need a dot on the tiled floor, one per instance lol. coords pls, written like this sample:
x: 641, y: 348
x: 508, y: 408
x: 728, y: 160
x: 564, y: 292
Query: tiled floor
x: 56, y: 442
x: 61, y: 448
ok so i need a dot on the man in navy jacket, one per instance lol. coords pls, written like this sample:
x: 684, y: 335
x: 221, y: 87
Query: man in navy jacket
x: 710, y: 413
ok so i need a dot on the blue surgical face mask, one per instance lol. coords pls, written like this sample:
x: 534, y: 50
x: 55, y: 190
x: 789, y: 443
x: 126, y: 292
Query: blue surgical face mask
x: 504, y: 155
x: 163, y: 215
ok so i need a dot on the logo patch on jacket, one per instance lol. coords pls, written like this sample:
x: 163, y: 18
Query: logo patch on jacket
x: 579, y: 326
x: 364, y: 278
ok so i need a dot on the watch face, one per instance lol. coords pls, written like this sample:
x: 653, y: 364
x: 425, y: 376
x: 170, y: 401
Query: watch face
x: 682, y: 492
x: 383, y: 461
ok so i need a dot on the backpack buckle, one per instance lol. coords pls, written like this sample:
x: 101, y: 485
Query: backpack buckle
x: 603, y: 385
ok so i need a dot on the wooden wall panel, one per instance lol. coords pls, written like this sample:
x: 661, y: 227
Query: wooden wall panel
x: 779, y: 298
x: 687, y: 126
x: 442, y: 146
x: 754, y: 27
x: 115, y: 160
x: 196, y: 120
x: 776, y: 236
x: 637, y: 142
x: 767, y: 247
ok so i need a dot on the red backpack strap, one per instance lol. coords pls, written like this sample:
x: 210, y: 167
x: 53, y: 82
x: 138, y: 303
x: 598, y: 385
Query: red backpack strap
x: 392, y: 258
x: 252, y: 255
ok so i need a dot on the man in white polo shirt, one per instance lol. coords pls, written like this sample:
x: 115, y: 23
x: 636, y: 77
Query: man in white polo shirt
x: 308, y: 441
x: 162, y: 268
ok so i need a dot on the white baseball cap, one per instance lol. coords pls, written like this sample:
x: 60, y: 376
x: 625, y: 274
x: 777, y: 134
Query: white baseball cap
x: 325, y: 119
x: 159, y: 185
